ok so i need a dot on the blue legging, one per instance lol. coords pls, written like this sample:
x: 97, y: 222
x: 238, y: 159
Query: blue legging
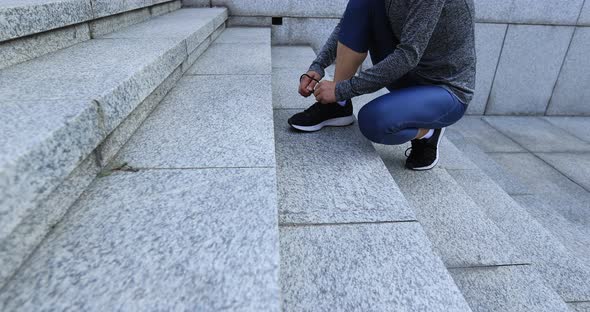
x: 394, y: 118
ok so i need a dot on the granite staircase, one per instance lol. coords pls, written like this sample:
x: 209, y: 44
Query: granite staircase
x: 146, y: 164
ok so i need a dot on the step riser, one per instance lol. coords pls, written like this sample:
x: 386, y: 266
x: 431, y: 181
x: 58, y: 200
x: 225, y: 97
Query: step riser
x: 25, y: 48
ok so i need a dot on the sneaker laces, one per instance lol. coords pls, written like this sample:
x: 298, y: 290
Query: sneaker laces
x: 316, y: 107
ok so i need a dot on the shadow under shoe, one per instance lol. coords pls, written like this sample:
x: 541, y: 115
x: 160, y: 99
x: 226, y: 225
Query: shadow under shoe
x: 320, y: 115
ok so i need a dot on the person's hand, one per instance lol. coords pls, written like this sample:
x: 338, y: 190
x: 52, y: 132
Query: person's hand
x: 307, y: 84
x: 325, y: 92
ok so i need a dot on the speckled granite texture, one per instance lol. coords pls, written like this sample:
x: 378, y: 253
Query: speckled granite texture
x: 510, y: 289
x: 368, y: 267
x: 20, y: 18
x: 160, y: 240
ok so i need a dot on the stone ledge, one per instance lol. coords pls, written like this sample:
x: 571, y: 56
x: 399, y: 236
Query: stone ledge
x: 61, y: 106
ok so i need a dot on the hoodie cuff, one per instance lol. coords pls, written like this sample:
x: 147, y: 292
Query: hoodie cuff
x: 344, y: 90
x: 316, y: 67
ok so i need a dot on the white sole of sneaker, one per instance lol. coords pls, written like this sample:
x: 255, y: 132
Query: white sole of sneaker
x: 334, y: 122
x: 442, y: 132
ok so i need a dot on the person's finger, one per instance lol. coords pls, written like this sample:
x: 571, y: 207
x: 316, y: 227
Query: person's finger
x: 303, y: 86
x: 317, y: 89
x: 312, y: 86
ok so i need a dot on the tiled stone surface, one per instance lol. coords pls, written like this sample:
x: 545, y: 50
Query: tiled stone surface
x: 563, y: 272
x: 249, y: 21
x: 20, y: 243
x: 585, y: 15
x: 196, y: 3
x: 19, y: 18
x: 116, y: 139
x: 333, y: 194
x: 576, y: 126
x: 554, y: 12
x: 531, y: 59
x: 304, y: 31
x: 333, y: 176
x: 537, y: 135
x: 42, y: 142
x: 28, y: 48
x: 573, y: 234
x: 294, y: 57
x: 192, y: 25
x: 488, y: 43
x: 477, y: 131
x: 109, y: 24
x: 193, y: 56
x: 245, y: 35
x: 493, y: 11
x: 160, y: 240
x: 580, y: 306
x: 226, y: 121
x: 510, y: 183
x: 461, y: 233
x: 166, y: 7
x: 451, y: 157
x: 234, y: 59
x: 285, y: 84
x: 510, y: 288
x: 572, y: 94
x: 574, y: 166
x: 119, y: 74
x: 330, y: 8
x: 369, y: 267
x: 103, y: 8
x: 333, y: 146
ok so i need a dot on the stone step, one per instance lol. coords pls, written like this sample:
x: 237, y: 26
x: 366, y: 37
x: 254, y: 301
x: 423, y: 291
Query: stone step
x: 526, y: 228
x: 58, y: 108
x: 23, y: 18
x: 348, y: 239
x: 188, y: 230
x: 478, y: 250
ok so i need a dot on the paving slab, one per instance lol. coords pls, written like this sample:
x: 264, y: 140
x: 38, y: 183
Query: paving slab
x: 508, y: 288
x: 333, y: 146
x: 575, y: 126
x: 191, y: 25
x: 537, y: 135
x: 461, y: 233
x: 245, y: 35
x: 510, y: 183
x: 585, y: 15
x: 530, y: 63
x: 573, y: 233
x: 333, y: 176
x: 20, y: 18
x: 551, y: 12
x: 160, y: 240
x: 285, y: 84
x: 307, y: 31
x: 574, y: 166
x: 102, y: 8
x: 226, y: 121
x: 579, y: 306
x: 36, y: 223
x: 477, y: 131
x: 368, y: 267
x: 24, y: 49
x: 41, y: 143
x: 297, y: 57
x: 489, y: 39
x: 117, y: 73
x: 234, y: 59
x: 571, y: 93
x: 560, y: 268
x: 109, y: 24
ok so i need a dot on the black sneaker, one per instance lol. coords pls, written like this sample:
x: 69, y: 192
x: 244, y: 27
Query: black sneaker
x: 323, y: 115
x: 424, y: 153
